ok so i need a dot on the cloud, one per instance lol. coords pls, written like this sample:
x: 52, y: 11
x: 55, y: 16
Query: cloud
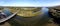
x: 29, y: 3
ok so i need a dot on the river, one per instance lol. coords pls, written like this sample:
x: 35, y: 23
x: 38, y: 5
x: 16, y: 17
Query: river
x: 31, y: 21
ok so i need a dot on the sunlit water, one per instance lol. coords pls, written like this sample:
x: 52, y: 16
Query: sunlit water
x: 7, y: 11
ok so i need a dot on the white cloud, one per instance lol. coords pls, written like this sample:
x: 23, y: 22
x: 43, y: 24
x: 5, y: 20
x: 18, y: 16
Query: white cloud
x: 35, y: 4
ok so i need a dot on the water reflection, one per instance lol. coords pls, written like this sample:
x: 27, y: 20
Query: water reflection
x: 7, y: 11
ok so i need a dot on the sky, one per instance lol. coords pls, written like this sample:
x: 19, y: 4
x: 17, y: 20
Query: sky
x: 29, y: 2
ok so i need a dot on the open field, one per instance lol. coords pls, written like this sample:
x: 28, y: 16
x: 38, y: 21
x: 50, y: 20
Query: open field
x: 27, y: 12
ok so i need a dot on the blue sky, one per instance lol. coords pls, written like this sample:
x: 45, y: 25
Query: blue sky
x: 29, y: 2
